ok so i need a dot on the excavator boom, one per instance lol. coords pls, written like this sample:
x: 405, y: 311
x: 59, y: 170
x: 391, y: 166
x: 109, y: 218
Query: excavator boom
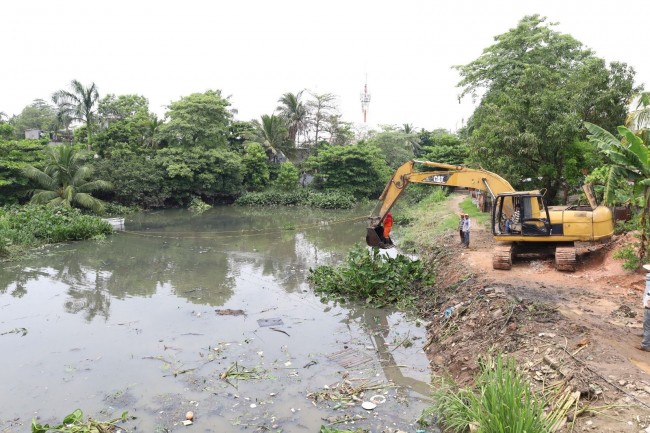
x: 530, y: 230
x: 443, y: 175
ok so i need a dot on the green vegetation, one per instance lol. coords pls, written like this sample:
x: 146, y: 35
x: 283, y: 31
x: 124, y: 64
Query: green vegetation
x: 301, y: 197
x: 501, y: 401
x: 31, y: 226
x: 628, y: 253
x: 74, y: 423
x: 372, y: 277
x: 538, y: 88
x: 66, y: 181
x: 628, y: 158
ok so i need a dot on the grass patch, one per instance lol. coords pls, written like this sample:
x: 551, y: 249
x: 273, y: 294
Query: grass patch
x: 501, y: 401
x: 628, y: 253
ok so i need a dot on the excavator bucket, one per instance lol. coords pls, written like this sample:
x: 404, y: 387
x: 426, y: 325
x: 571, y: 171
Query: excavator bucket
x: 375, y: 238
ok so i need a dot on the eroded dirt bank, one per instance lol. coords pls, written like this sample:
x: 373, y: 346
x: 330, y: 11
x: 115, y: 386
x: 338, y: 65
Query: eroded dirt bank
x: 574, y: 334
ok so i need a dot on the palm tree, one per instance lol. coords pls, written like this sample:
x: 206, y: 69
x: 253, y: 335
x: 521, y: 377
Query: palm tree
x: 79, y: 103
x: 294, y: 112
x: 639, y: 120
x: 66, y: 181
x: 412, y: 139
x: 153, y: 126
x: 272, y: 134
x: 629, y: 157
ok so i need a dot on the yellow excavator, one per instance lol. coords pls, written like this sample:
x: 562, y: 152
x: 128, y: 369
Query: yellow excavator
x: 535, y: 230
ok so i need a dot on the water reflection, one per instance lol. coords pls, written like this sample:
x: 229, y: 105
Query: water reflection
x: 198, y: 256
x: 376, y: 324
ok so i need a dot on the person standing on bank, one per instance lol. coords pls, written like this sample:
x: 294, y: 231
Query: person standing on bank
x: 466, y: 227
x: 645, y: 343
x: 460, y: 228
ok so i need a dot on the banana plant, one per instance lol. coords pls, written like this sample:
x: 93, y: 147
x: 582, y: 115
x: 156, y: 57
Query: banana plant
x: 628, y: 157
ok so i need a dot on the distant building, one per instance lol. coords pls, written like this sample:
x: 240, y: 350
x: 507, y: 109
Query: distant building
x: 33, y: 134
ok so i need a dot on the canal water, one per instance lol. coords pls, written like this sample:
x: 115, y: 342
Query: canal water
x: 209, y: 313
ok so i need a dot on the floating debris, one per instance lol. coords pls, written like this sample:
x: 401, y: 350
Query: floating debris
x: 241, y: 373
x: 348, y: 358
x: 276, y: 321
x: 346, y: 391
x: 229, y: 312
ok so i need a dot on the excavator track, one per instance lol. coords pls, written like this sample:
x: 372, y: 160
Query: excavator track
x: 502, y: 257
x: 565, y: 258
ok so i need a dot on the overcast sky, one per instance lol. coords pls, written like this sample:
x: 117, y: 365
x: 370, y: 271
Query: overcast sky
x: 256, y: 50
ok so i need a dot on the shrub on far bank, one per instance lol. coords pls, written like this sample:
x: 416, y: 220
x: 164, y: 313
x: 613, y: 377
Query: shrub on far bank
x: 300, y: 197
x: 31, y: 226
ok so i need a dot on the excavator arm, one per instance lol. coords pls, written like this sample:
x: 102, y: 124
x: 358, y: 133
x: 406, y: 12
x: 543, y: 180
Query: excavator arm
x: 443, y: 175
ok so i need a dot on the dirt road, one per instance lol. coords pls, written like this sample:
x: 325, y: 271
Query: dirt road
x: 571, y: 332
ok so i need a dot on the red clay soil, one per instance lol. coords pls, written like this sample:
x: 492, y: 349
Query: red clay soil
x: 571, y: 332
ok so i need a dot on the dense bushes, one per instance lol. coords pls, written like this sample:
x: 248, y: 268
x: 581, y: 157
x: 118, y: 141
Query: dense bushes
x: 301, y: 197
x: 30, y: 226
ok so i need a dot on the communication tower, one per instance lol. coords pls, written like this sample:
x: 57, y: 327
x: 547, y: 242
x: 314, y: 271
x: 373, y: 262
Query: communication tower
x: 365, y: 100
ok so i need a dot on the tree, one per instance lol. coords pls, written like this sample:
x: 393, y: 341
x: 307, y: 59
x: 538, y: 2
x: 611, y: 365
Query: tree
x: 273, y: 135
x: 198, y: 119
x: 340, y: 132
x: 38, y: 115
x: 294, y: 112
x: 441, y: 146
x: 629, y: 158
x: 288, y: 176
x: 78, y: 104
x: 537, y: 86
x: 126, y: 123
x: 359, y: 169
x: 256, y: 169
x: 66, y: 181
x: 395, y: 145
x: 113, y: 108
x: 14, y: 157
x: 320, y: 107
x: 638, y: 120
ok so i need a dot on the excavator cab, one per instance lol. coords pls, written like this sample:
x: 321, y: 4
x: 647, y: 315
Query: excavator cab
x: 533, y: 218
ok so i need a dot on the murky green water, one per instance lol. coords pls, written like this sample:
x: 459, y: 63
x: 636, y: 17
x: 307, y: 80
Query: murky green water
x: 152, y: 319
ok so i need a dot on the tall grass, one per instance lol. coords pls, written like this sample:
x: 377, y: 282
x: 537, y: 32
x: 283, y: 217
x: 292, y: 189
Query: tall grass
x: 501, y: 401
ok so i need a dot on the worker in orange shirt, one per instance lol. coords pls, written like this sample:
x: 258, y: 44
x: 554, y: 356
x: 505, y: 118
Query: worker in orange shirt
x: 388, y: 224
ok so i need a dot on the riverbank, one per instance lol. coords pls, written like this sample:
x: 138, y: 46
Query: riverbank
x: 572, y: 334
